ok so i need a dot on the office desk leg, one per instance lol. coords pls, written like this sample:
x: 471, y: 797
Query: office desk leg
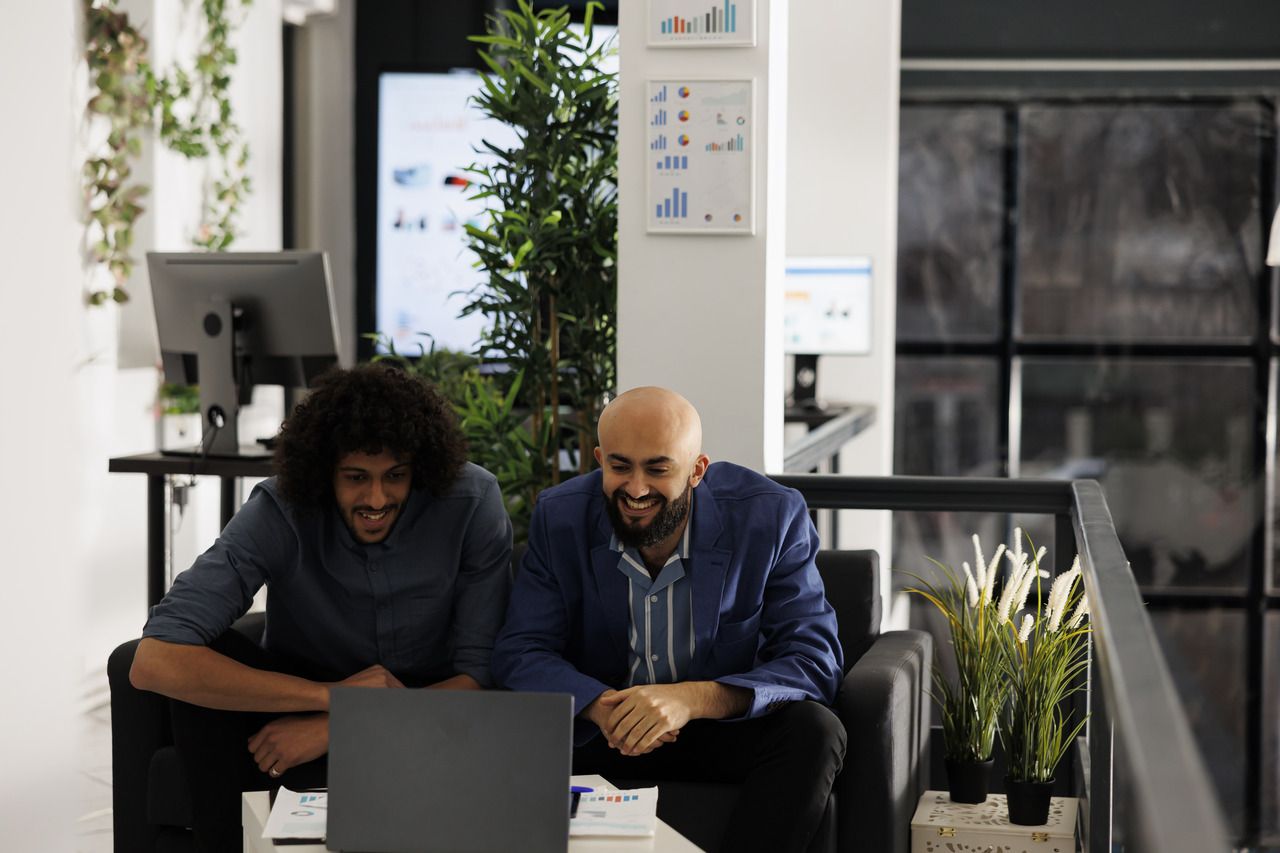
x: 155, y: 538
x: 227, y: 493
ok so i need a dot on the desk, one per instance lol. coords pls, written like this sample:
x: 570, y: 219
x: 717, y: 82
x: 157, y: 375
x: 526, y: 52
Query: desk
x: 157, y: 466
x: 255, y: 808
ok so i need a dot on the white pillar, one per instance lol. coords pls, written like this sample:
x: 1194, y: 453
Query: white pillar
x: 702, y: 313
x: 842, y: 200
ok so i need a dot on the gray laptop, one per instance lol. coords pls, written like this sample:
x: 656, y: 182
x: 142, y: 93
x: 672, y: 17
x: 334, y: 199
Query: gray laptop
x: 421, y: 771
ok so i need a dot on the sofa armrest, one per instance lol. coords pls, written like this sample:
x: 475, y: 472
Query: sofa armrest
x: 884, y: 705
x: 139, y: 726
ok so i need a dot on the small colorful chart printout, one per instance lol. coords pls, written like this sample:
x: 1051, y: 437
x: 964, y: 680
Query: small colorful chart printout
x: 700, y: 170
x: 702, y: 23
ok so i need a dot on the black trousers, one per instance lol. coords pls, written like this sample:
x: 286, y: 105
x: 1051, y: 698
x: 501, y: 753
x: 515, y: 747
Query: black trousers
x: 214, y: 749
x: 786, y: 763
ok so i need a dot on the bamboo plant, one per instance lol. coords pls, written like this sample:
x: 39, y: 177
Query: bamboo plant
x: 548, y: 242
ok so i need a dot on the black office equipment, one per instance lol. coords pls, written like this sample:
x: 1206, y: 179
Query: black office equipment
x: 229, y: 321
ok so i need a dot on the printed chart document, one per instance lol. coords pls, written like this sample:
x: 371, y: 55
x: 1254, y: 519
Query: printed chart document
x: 298, y: 814
x: 631, y: 813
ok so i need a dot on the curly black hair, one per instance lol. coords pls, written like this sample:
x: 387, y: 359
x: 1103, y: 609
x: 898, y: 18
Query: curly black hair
x: 369, y: 409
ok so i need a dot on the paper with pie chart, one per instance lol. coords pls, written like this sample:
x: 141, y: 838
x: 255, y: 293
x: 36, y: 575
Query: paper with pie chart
x: 701, y: 154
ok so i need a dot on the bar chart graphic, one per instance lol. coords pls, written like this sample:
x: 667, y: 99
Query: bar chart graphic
x: 702, y: 181
x: 674, y: 207
x: 735, y: 144
x: 701, y: 23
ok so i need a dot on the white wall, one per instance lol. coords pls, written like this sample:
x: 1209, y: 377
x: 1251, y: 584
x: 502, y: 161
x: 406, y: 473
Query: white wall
x: 121, y: 392
x: 324, y: 202
x: 842, y: 199
x: 702, y: 314
x: 42, y: 517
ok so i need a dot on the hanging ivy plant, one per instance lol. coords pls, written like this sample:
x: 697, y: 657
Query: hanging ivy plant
x: 121, y: 84
x: 195, y: 119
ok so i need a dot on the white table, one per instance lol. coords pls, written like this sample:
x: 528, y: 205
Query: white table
x: 255, y: 806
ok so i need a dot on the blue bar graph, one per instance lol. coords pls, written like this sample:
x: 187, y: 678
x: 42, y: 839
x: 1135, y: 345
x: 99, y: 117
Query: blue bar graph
x: 672, y: 162
x: 660, y: 97
x: 659, y: 144
x: 676, y: 207
x: 659, y: 118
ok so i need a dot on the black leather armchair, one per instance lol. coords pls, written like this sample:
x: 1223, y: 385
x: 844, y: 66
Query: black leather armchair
x: 882, y: 703
x: 151, y: 805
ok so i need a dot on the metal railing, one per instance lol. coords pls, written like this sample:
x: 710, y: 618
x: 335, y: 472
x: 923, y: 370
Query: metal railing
x: 1133, y: 705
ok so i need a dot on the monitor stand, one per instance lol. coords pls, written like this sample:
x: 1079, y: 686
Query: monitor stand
x: 216, y: 369
x: 804, y: 386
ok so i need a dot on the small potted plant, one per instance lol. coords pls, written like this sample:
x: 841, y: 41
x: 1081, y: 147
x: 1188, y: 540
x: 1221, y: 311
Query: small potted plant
x: 1044, y: 655
x: 971, y: 706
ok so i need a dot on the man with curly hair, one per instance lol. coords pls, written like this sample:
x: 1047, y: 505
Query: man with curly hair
x: 386, y: 559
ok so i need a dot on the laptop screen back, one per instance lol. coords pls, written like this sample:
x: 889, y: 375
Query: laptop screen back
x: 449, y: 770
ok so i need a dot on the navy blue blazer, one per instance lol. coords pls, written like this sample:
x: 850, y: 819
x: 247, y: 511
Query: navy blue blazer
x: 760, y: 618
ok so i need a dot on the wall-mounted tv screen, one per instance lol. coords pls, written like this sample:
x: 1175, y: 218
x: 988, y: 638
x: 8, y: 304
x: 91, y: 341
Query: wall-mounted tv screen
x: 428, y: 133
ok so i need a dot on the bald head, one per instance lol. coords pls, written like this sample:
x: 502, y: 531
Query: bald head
x: 656, y: 417
x: 651, y: 458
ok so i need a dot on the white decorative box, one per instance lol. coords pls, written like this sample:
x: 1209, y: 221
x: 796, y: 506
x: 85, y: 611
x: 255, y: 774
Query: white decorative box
x: 941, y: 826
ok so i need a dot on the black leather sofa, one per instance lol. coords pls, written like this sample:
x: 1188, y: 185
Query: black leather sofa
x: 883, y: 703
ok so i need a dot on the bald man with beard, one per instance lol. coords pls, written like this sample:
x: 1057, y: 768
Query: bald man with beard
x: 678, y: 602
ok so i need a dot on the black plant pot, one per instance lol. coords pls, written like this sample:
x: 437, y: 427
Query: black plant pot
x: 969, y: 781
x: 1028, y: 801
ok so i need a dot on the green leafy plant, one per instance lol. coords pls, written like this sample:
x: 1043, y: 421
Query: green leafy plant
x: 121, y: 85
x: 549, y: 247
x: 971, y: 706
x: 1044, y: 657
x: 195, y: 119
x: 175, y: 399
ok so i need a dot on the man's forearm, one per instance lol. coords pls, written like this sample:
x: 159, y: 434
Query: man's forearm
x: 200, y: 676
x: 457, y: 682
x: 712, y: 700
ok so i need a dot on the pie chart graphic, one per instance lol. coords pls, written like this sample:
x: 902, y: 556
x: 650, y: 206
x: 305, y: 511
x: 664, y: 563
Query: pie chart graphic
x: 683, y: 115
x: 683, y: 139
x: 683, y: 91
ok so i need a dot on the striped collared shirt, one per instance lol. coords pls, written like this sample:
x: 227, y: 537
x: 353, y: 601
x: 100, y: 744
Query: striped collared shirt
x: 661, y: 609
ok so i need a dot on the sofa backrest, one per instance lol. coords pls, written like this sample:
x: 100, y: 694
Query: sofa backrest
x: 852, y: 581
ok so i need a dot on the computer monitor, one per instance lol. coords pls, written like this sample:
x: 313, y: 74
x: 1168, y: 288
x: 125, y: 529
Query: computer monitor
x: 827, y: 311
x: 230, y: 321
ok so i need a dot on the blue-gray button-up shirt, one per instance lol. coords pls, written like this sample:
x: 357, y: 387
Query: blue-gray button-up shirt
x: 426, y: 602
x: 661, y: 608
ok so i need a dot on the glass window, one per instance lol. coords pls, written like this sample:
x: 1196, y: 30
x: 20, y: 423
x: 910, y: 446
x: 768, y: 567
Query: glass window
x: 1172, y: 444
x: 950, y: 215
x: 1271, y: 736
x: 1139, y: 223
x: 1205, y: 653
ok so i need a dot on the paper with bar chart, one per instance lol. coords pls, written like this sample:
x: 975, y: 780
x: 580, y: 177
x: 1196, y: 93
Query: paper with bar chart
x: 700, y: 163
x: 702, y: 23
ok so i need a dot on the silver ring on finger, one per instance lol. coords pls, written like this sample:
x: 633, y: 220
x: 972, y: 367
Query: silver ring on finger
x: 273, y: 773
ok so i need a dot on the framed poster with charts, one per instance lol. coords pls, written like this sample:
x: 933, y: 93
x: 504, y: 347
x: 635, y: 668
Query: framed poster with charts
x: 700, y: 172
x: 702, y: 23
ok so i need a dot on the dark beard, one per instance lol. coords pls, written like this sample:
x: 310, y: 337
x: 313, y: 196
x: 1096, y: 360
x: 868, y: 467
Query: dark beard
x: 667, y: 520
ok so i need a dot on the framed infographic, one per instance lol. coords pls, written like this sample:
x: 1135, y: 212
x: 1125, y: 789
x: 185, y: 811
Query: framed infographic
x: 701, y: 162
x: 702, y: 23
